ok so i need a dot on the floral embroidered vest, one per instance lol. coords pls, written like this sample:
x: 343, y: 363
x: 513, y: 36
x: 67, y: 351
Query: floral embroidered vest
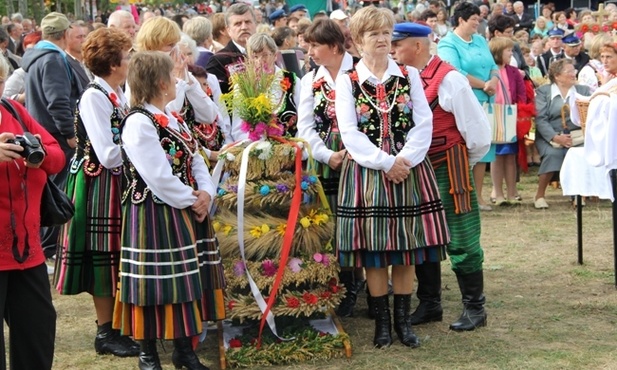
x: 287, y: 114
x: 209, y: 135
x: 384, y: 111
x: 178, y: 147
x: 84, y: 152
x: 323, y: 110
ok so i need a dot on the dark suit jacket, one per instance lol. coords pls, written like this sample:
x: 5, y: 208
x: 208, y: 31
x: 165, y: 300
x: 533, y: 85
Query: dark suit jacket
x: 12, y: 47
x: 580, y: 61
x: 79, y: 72
x: 524, y: 23
x: 219, y: 63
x: 544, y: 61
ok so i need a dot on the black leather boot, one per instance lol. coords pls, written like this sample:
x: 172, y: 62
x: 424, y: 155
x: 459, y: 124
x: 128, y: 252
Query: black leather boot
x: 472, y: 289
x: 429, y: 294
x: 353, y: 286
x: 383, y: 323
x: 184, y: 356
x: 148, y: 356
x: 370, y: 305
x: 110, y: 341
x: 402, y: 324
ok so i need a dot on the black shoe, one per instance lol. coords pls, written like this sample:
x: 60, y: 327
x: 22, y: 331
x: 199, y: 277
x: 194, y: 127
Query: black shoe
x: 429, y: 294
x: 148, y: 356
x: 402, y: 324
x: 184, y: 356
x: 353, y: 286
x: 383, y: 323
x: 474, y: 315
x: 109, y: 341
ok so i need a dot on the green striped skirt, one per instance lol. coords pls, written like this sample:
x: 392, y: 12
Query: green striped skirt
x: 88, y: 257
x: 380, y: 223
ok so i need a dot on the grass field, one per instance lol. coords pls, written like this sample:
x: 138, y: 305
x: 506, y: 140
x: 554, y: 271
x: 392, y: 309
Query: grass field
x: 544, y: 310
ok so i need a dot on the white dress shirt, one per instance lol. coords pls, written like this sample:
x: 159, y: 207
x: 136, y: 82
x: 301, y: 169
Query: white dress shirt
x: 306, y: 117
x: 95, y: 110
x: 359, y: 146
x: 142, y: 145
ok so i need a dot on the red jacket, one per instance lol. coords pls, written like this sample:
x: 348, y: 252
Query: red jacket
x: 24, y: 198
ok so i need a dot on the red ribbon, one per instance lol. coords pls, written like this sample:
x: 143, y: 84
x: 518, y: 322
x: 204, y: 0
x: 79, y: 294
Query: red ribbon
x: 296, y: 200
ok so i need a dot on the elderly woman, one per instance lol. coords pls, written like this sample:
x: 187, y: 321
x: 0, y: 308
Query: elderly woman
x: 469, y: 53
x: 90, y: 243
x: 550, y: 100
x: 200, y: 30
x: 170, y: 258
x: 389, y: 212
x: 285, y: 91
x: 317, y: 124
x: 25, y: 296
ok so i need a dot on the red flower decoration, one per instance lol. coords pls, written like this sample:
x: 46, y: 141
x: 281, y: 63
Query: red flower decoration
x: 293, y: 302
x: 333, y: 281
x: 605, y: 28
x: 323, y: 334
x: 161, y: 119
x: 353, y: 76
x: 331, y: 94
x: 404, y: 70
x: 230, y: 305
x: 585, y: 28
x: 114, y: 99
x: 317, y: 84
x: 325, y: 295
x: 595, y: 28
x: 334, y: 288
x: 235, y: 343
x: 178, y: 117
x: 285, y: 84
x: 310, y: 298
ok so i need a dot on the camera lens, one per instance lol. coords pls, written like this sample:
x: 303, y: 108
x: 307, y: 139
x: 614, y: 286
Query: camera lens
x: 35, y: 157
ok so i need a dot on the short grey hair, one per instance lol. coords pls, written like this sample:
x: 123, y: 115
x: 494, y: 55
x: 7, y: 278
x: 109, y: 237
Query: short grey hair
x: 199, y: 29
x: 17, y: 17
x: 518, y: 3
x: 238, y: 9
x: 55, y: 36
x: 187, y: 41
x: 260, y: 42
x: 116, y: 17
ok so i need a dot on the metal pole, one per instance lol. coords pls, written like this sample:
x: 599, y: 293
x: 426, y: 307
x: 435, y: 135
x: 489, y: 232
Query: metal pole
x: 613, y: 175
x: 579, y: 228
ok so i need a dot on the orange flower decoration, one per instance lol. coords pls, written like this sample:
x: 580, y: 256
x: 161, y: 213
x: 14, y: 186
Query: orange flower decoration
x: 161, y: 119
x: 285, y: 84
x: 317, y: 84
x: 114, y: 99
x: 353, y: 76
x: 178, y: 117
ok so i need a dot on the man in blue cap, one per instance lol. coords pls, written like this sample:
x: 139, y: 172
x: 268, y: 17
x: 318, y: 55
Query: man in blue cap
x: 278, y: 18
x: 299, y: 11
x: 555, y: 52
x: 461, y: 137
x: 572, y: 50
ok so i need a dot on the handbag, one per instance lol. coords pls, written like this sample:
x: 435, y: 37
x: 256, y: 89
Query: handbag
x: 56, y: 207
x: 577, y: 136
x: 502, y: 118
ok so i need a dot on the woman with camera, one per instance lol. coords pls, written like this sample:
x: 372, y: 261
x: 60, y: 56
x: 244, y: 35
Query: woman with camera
x: 26, y: 159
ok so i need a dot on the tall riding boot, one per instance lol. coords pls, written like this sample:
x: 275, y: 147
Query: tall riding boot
x: 370, y: 305
x: 148, y: 356
x: 345, y: 308
x: 402, y: 324
x: 383, y: 323
x: 472, y: 289
x: 429, y: 294
x: 110, y: 341
x: 184, y: 356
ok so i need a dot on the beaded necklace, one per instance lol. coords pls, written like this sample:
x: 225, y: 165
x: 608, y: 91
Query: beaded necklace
x: 392, y: 103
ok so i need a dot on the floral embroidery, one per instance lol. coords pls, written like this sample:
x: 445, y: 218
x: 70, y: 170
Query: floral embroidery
x: 178, y: 117
x: 285, y: 84
x: 114, y: 99
x: 317, y: 84
x: 354, y: 76
x: 161, y: 119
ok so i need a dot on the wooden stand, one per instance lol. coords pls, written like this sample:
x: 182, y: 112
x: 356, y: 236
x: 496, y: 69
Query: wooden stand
x: 337, y: 322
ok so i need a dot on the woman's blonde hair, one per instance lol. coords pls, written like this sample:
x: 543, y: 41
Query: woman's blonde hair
x: 597, y: 43
x: 497, y: 45
x: 156, y: 33
x: 369, y: 19
x: 147, y: 70
x: 4, y: 68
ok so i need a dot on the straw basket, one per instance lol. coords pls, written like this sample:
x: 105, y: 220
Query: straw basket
x: 582, y: 106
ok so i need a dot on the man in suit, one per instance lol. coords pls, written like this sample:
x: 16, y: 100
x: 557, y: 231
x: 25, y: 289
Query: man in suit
x: 572, y: 50
x: 241, y: 25
x: 555, y: 52
x: 523, y: 20
x: 75, y: 38
x: 14, y: 30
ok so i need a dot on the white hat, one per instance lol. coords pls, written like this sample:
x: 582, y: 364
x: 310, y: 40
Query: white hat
x: 339, y: 15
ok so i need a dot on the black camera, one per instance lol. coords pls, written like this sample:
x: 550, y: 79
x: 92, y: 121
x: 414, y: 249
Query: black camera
x: 33, y: 151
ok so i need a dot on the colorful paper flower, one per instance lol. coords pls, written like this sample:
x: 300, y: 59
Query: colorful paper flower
x: 177, y: 116
x: 295, y: 265
x: 230, y: 305
x: 285, y: 84
x: 310, y: 298
x: 235, y: 343
x: 239, y: 268
x: 161, y: 119
x: 114, y: 99
x: 264, y: 190
x: 292, y: 302
x: 305, y: 222
x: 269, y: 268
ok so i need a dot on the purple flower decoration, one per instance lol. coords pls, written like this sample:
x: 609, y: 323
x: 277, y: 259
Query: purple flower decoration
x: 233, y: 188
x: 269, y: 268
x: 282, y: 188
x: 239, y: 268
x: 295, y: 264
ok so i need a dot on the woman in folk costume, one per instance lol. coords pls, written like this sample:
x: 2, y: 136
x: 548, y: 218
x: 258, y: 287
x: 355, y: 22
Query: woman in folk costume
x: 90, y: 254
x: 171, y: 274
x: 389, y: 211
x: 317, y: 125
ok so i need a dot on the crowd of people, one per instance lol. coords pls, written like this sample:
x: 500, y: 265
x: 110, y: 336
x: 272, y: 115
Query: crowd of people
x: 128, y: 110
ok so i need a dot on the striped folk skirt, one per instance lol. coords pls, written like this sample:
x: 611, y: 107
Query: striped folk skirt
x: 90, y: 242
x: 380, y: 223
x: 171, y: 276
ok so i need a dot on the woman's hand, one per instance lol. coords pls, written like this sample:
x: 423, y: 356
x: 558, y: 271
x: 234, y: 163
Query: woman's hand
x: 336, y: 160
x: 201, y: 205
x: 564, y: 140
x: 490, y: 86
x: 8, y: 151
x: 180, y: 65
x: 399, y: 171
